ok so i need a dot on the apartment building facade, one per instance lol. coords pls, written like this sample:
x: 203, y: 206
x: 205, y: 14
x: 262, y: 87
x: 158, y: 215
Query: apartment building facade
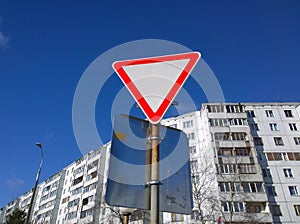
x: 245, y: 161
x: 73, y: 195
x: 252, y: 149
x: 275, y: 128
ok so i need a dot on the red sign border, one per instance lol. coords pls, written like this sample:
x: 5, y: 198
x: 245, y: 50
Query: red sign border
x: 155, y: 117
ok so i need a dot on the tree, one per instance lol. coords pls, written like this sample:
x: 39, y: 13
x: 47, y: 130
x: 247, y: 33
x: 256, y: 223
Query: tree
x: 204, y: 189
x: 16, y: 217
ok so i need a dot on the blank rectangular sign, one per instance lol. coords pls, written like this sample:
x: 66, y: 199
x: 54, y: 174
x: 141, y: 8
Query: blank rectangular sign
x: 129, y: 169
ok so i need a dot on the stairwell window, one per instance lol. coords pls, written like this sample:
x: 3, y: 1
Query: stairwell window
x: 271, y: 190
x: 266, y: 172
x: 258, y: 141
x: 254, y: 127
x: 275, y: 210
x: 250, y: 113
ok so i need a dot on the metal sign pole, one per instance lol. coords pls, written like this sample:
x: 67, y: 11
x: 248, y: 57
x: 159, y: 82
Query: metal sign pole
x: 155, y: 174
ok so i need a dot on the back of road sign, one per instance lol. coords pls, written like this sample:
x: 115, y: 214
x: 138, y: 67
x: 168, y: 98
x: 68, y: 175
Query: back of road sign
x: 128, y: 174
x: 154, y: 82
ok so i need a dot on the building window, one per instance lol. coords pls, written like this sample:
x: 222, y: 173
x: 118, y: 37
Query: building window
x: 86, y: 213
x: 239, y: 136
x: 254, y: 127
x: 227, y: 168
x: 271, y: 190
x: 229, y: 206
x: 194, y: 165
x: 293, y: 190
x: 191, y: 136
x: 262, y: 156
x: 269, y: 113
x: 283, y: 156
x: 76, y: 191
x: 188, y: 124
x: 273, y: 127
x: 218, y: 122
x: 72, y: 215
x: 79, y: 170
x: 225, y: 152
x: 266, y: 172
x: 247, y: 168
x: 193, y: 149
x: 252, y: 187
x: 215, y: 108
x: 77, y: 180
x: 92, y: 164
x: 297, y: 140
x: 243, y: 151
x: 234, y: 108
x: 297, y: 209
x: 275, y: 210
x: 177, y: 217
x: 221, y: 136
x: 195, y: 179
x: 250, y: 113
x: 227, y: 187
x: 288, y: 173
x: 237, y: 122
x: 73, y: 203
x: 255, y: 207
x: 293, y: 127
x: 278, y: 141
x: 288, y: 113
x: 258, y: 141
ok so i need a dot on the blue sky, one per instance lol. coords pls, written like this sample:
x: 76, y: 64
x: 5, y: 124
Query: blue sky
x: 253, y: 48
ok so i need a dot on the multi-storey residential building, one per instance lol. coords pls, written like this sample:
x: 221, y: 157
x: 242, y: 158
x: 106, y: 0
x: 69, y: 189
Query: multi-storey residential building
x: 82, y: 194
x: 226, y: 176
x: 245, y: 161
x: 275, y: 128
x: 255, y: 148
x: 47, y: 199
x: 73, y: 195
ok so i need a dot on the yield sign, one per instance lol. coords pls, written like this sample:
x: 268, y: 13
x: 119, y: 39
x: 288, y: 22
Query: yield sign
x: 154, y: 82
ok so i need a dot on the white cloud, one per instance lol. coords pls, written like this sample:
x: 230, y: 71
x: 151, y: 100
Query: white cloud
x: 3, y: 40
x: 15, y: 183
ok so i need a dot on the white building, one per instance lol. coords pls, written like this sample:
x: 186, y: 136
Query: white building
x: 275, y: 128
x: 73, y: 195
x: 245, y: 165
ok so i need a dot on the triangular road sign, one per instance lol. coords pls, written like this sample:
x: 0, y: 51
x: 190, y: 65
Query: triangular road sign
x: 154, y: 82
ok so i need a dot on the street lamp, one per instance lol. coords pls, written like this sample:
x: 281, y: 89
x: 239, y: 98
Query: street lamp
x: 36, y: 183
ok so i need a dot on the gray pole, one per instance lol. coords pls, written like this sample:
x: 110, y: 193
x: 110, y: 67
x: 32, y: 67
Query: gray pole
x: 27, y: 221
x: 155, y: 174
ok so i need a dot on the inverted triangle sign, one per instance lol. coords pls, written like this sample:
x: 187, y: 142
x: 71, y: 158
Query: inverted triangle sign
x: 154, y: 82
